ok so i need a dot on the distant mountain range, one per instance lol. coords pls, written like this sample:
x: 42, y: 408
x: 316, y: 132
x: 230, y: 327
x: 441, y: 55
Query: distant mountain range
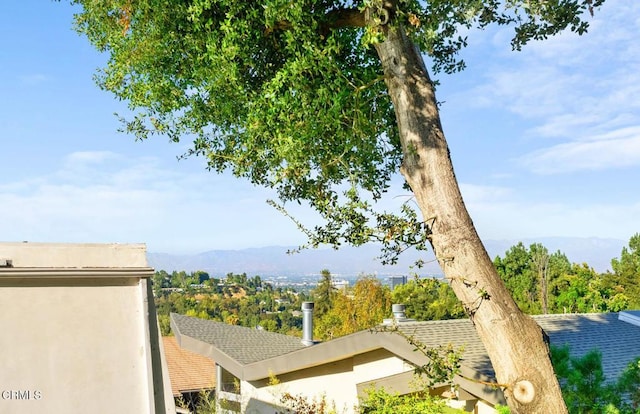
x: 350, y: 261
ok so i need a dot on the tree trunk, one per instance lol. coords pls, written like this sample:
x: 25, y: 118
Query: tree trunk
x: 515, y: 343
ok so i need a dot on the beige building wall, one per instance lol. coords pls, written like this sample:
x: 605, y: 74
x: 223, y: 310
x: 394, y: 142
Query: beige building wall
x: 74, y: 255
x: 377, y: 364
x: 78, y: 332
x: 336, y: 381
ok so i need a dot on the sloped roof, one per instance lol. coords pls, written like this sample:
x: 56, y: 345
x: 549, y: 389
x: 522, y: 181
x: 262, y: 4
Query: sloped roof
x: 255, y: 354
x: 188, y: 370
x: 245, y: 345
x: 458, y: 332
x: 617, y: 340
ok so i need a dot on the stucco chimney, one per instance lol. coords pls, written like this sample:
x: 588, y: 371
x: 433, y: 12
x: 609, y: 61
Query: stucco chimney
x: 307, y: 323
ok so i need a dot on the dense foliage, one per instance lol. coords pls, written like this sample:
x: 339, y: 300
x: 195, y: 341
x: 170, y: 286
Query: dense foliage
x: 362, y: 306
x: 324, y: 294
x: 380, y: 401
x: 586, y: 389
x: 236, y: 300
x: 626, y: 272
x: 548, y: 283
x: 290, y: 95
x: 428, y: 299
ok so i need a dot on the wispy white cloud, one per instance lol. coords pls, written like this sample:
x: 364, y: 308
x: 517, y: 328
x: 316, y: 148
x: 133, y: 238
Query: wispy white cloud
x: 617, y: 149
x: 108, y: 197
x: 579, y: 90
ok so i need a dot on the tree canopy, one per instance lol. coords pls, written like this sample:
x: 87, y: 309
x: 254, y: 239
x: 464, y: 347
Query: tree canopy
x: 290, y: 95
x: 535, y: 278
x: 324, y: 101
x: 428, y: 299
x: 626, y: 271
x: 362, y: 306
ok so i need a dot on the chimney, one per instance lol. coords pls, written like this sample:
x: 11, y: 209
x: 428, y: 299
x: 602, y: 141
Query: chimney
x: 398, y: 311
x: 398, y: 315
x: 307, y: 323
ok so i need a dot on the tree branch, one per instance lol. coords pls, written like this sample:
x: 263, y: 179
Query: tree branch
x: 335, y: 19
x: 341, y: 18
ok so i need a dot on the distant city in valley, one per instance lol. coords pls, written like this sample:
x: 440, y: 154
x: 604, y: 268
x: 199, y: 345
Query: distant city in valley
x: 349, y: 262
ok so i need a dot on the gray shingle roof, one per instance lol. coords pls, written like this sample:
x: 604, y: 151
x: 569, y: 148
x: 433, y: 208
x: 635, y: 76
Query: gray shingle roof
x: 618, y: 341
x: 457, y: 332
x: 245, y: 345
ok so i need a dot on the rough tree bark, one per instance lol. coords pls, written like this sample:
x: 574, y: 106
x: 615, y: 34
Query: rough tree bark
x: 515, y: 343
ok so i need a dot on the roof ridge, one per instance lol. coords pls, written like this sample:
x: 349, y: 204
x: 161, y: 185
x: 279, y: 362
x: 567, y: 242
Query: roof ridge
x: 569, y: 315
x: 433, y: 322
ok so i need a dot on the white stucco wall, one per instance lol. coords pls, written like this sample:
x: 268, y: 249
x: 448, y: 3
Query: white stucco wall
x: 73, y: 356
x: 75, y: 339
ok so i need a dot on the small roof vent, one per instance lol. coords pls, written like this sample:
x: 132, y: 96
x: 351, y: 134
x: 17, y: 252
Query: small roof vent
x: 632, y: 317
x: 6, y: 262
x: 398, y: 315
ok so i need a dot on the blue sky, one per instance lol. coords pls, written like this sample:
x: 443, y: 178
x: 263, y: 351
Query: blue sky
x: 545, y: 142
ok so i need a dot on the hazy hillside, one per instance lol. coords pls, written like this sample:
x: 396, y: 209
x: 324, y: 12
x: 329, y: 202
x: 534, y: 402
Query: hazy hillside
x: 350, y: 261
